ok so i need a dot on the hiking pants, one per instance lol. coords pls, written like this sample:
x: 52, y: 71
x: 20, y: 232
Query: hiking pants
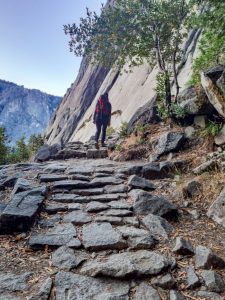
x: 101, y: 126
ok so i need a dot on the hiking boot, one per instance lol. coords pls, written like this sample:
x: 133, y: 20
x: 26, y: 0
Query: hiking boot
x: 96, y: 145
x: 104, y: 145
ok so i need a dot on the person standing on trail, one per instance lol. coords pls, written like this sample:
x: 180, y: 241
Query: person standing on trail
x: 102, y: 118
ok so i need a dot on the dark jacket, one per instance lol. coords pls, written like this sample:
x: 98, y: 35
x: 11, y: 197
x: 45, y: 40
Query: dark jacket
x: 103, y: 111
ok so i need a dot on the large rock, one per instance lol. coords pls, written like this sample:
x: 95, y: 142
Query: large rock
x: 206, y: 259
x: 97, y: 236
x: 14, y: 283
x: 215, y: 92
x: 160, y: 170
x: 20, y: 213
x: 66, y: 258
x: 80, y: 287
x: 194, y: 101
x: 157, y: 226
x: 145, y: 203
x: 47, y: 152
x: 217, y: 209
x: 44, y: 291
x: 21, y: 185
x: 214, y: 282
x: 145, y: 292
x: 140, y: 183
x: 169, y: 142
x: 127, y: 264
x: 183, y: 247
x: 77, y: 218
x: 220, y: 137
x: 60, y: 235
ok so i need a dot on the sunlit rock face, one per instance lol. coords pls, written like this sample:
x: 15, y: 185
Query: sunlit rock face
x: 24, y: 111
x: 127, y: 93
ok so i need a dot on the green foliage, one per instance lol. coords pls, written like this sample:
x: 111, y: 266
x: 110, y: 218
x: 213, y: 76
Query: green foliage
x: 4, y: 150
x: 211, y: 129
x: 22, y: 151
x: 119, y: 147
x: 34, y: 143
x: 160, y: 87
x: 212, y: 43
x: 123, y: 130
x: 110, y: 131
x: 178, y: 111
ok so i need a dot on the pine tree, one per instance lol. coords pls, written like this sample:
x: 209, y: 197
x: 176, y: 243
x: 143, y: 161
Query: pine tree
x: 22, y: 150
x: 4, y: 150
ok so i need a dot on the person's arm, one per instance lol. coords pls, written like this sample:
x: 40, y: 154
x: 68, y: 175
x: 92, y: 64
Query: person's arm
x: 94, y: 118
x: 110, y: 113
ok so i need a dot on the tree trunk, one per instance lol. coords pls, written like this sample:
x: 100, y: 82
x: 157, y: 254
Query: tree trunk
x: 175, y: 76
x: 167, y: 90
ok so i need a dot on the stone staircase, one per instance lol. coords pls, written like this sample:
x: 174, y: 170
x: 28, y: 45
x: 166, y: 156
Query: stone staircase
x: 98, y: 229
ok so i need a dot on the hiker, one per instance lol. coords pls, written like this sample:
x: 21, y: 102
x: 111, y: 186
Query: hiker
x: 102, y: 118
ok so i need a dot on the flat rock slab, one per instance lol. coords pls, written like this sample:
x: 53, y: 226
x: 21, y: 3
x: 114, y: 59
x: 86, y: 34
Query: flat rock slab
x: 103, y: 181
x: 66, y: 258
x: 96, y: 206
x: 21, y: 185
x: 14, y: 283
x: 120, y: 204
x: 89, y: 192
x: 108, y: 219
x: 137, y: 182
x: 68, y: 198
x: 127, y: 264
x: 217, y: 209
x: 158, y: 227
x: 60, y: 235
x: 74, y: 286
x: 52, y: 177
x: 77, y: 218
x: 94, y: 153
x: 130, y: 231
x: 61, y: 207
x: 117, y: 213
x: 145, y: 203
x: 84, y: 170
x: 142, y: 242
x: 71, y: 184
x: 101, y: 236
x: 20, y: 213
x: 111, y: 189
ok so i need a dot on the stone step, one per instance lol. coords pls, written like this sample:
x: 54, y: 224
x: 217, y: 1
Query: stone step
x: 73, y: 198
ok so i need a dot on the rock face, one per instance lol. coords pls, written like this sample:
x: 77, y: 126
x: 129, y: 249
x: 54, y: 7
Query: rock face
x: 217, y: 209
x: 73, y: 119
x: 29, y: 111
x: 213, y: 84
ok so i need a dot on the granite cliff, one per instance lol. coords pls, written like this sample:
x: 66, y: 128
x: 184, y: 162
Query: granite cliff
x: 127, y: 92
x: 24, y: 111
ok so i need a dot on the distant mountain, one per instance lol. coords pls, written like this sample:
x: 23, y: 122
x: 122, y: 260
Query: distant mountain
x: 24, y: 111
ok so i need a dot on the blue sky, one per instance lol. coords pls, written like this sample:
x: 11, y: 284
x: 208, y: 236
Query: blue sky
x: 34, y: 50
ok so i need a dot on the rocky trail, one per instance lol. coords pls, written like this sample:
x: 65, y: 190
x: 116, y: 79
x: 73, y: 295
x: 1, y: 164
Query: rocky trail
x: 105, y: 230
